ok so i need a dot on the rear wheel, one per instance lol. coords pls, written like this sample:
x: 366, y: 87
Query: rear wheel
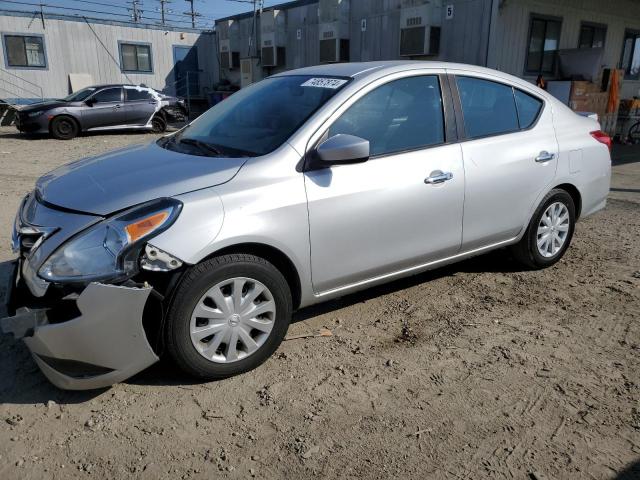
x: 64, y: 128
x: 158, y: 124
x: 549, y: 233
x: 228, y: 316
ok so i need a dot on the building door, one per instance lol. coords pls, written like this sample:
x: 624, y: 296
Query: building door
x: 185, y: 59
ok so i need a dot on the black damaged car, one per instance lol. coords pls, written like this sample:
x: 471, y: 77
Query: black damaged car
x: 102, y: 107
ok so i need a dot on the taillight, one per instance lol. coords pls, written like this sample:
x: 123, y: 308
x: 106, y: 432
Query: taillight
x: 602, y: 137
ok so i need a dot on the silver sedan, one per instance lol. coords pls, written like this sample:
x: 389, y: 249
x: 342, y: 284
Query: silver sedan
x: 306, y: 186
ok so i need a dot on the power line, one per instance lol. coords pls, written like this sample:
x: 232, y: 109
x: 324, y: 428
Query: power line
x: 139, y: 14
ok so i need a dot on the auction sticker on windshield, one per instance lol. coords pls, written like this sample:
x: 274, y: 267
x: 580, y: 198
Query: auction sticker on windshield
x: 324, y: 82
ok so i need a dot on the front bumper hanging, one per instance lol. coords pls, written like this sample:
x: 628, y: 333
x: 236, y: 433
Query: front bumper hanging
x: 103, y: 345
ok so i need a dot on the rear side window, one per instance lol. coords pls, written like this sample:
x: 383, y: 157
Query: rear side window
x: 528, y: 108
x: 108, y: 95
x: 401, y: 115
x: 134, y: 95
x: 488, y: 107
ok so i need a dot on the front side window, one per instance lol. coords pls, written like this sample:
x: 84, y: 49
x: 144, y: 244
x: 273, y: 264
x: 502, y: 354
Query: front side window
x: 134, y: 95
x: 488, y: 107
x: 401, y: 115
x: 592, y: 36
x: 108, y: 95
x: 24, y: 51
x: 258, y: 119
x: 135, y: 57
x: 631, y: 55
x: 542, y: 47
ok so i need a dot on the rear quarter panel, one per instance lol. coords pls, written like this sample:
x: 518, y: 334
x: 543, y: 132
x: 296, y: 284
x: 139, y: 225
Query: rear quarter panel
x: 583, y: 161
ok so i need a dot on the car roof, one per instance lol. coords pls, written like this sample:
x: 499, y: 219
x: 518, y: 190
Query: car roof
x: 362, y: 70
x: 107, y: 85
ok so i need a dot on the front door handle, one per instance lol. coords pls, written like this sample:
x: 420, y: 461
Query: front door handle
x: 116, y: 106
x: 545, y: 156
x: 437, y: 176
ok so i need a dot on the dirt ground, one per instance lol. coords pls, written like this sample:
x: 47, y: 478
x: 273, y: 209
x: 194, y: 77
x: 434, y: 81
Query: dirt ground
x: 502, y: 373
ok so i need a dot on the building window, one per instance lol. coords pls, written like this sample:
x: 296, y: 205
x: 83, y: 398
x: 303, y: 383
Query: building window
x: 592, y: 35
x: 135, y: 57
x: 24, y: 51
x: 542, y: 47
x: 631, y: 55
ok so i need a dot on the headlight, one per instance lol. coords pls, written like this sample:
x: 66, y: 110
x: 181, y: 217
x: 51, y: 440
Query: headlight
x: 35, y: 114
x: 110, y: 249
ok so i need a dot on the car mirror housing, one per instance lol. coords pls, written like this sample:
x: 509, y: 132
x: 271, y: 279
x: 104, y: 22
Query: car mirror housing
x: 90, y: 102
x: 343, y: 149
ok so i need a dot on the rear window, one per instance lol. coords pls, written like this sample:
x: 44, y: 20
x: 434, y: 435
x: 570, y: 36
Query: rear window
x: 488, y: 107
x: 135, y: 95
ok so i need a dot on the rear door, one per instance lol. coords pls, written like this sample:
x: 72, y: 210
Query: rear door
x: 510, y: 157
x: 387, y: 214
x: 104, y: 110
x: 140, y: 106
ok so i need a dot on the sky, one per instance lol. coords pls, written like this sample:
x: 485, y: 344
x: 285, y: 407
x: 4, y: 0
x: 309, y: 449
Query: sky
x: 121, y: 9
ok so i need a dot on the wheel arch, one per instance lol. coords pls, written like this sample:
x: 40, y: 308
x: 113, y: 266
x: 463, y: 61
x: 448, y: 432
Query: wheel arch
x: 573, y: 191
x: 67, y: 115
x: 273, y: 255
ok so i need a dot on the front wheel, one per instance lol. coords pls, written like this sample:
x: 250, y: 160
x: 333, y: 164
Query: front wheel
x: 550, y: 231
x: 64, y: 128
x: 228, y: 316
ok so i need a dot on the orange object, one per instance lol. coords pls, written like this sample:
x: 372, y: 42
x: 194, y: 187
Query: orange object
x: 614, y: 93
x: 140, y: 228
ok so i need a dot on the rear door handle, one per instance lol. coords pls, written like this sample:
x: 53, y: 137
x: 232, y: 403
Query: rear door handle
x: 437, y: 176
x: 545, y: 156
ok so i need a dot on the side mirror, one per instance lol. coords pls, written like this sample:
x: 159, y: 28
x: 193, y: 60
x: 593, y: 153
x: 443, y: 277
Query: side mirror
x: 90, y: 102
x: 342, y: 149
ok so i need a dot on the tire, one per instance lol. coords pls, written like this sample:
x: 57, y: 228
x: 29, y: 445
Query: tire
x: 634, y: 134
x: 158, y: 124
x: 64, y: 128
x: 211, y: 358
x: 527, y: 251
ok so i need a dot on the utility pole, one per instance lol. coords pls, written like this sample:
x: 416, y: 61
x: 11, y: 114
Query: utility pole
x: 136, y: 13
x: 193, y: 14
x: 162, y: 9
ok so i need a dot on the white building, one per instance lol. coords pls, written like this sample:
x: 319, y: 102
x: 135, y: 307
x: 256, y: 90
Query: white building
x: 49, y: 56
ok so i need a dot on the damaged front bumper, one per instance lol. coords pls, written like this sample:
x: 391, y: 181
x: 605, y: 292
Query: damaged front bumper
x: 101, y: 342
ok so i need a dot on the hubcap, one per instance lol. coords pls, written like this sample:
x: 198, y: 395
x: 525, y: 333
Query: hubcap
x: 232, y: 320
x: 553, y: 229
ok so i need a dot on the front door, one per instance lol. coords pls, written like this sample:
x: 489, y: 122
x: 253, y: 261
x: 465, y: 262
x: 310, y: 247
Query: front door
x: 510, y: 158
x: 186, y: 71
x: 105, y: 109
x: 384, y: 215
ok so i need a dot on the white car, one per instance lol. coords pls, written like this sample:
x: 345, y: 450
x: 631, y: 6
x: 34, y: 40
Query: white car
x: 306, y: 186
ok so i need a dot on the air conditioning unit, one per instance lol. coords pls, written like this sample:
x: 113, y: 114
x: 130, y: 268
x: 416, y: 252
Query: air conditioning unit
x: 273, y: 38
x: 229, y: 44
x: 333, y: 17
x: 250, y: 71
x: 420, y: 22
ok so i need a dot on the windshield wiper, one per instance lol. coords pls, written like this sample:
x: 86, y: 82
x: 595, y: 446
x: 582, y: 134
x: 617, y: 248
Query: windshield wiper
x: 203, y: 146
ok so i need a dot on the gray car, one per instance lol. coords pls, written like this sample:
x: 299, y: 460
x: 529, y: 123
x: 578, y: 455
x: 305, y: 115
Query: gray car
x: 100, y: 108
x: 306, y: 186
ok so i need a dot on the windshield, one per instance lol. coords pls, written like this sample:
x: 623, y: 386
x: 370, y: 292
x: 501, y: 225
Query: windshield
x: 80, y: 95
x: 258, y: 119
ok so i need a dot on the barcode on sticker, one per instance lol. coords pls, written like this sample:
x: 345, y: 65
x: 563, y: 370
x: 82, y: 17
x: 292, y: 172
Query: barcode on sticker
x: 324, y: 82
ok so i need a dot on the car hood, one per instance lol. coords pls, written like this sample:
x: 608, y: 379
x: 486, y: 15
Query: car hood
x: 36, y: 107
x: 120, y: 179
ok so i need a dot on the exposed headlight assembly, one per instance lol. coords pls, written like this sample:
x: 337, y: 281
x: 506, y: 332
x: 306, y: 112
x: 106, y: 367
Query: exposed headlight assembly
x: 110, y: 249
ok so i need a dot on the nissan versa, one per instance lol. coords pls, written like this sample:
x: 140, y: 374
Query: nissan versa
x: 306, y: 186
